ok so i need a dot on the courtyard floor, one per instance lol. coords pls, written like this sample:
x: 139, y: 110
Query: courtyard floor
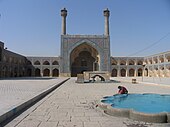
x: 73, y: 105
x: 15, y: 91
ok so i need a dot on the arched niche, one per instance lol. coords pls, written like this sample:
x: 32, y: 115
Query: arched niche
x: 84, y: 58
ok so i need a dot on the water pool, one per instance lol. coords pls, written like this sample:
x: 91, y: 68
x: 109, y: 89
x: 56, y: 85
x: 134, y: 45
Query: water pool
x: 147, y: 103
x: 143, y: 107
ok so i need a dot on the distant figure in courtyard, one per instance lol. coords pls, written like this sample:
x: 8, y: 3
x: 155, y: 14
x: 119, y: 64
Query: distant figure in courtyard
x: 122, y: 90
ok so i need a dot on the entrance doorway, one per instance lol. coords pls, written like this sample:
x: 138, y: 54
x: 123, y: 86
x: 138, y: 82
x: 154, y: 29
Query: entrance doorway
x: 83, y: 58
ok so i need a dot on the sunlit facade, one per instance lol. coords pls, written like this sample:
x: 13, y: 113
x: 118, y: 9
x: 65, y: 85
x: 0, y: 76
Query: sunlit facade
x: 81, y: 53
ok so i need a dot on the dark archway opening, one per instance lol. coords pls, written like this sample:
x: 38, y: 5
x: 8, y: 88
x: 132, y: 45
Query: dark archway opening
x: 98, y: 77
x: 55, y: 73
x: 83, y: 58
x: 83, y: 62
x: 46, y: 72
x: 140, y: 73
x: 114, y: 73
x: 123, y: 72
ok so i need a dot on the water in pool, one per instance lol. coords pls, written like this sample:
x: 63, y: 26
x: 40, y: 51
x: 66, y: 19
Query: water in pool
x: 147, y: 103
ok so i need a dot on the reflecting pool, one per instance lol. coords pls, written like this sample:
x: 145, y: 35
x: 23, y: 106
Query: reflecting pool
x: 147, y: 103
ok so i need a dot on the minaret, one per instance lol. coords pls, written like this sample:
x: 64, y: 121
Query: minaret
x: 63, y: 14
x: 106, y: 13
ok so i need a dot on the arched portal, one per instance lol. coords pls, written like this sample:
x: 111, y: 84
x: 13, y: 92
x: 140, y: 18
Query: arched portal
x: 114, y: 73
x: 131, y: 72
x: 123, y: 72
x: 46, y: 72
x: 84, y: 58
x: 140, y: 73
x: 55, y: 73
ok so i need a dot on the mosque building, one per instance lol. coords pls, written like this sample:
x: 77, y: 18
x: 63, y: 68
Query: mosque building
x: 81, y: 53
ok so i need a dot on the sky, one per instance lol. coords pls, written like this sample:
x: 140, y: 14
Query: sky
x: 137, y: 27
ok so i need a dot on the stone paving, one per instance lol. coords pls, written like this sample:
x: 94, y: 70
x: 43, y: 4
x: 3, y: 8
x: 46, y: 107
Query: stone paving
x: 18, y: 90
x: 73, y: 105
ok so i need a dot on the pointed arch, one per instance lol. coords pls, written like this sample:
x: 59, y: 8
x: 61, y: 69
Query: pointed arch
x: 131, y: 72
x: 140, y: 72
x: 55, y: 63
x: 37, y: 62
x: 122, y: 62
x: 55, y: 72
x: 84, y: 58
x: 46, y: 63
x: 139, y: 62
x: 46, y: 72
x: 131, y: 62
x: 86, y: 41
x: 114, y: 62
x: 114, y: 73
x: 168, y: 58
x: 123, y: 72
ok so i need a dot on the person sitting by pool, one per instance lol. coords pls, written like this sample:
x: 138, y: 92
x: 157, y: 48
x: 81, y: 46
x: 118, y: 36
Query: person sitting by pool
x: 122, y: 90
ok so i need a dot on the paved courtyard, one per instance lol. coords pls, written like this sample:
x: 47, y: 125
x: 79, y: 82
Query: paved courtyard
x: 73, y: 105
x: 16, y: 91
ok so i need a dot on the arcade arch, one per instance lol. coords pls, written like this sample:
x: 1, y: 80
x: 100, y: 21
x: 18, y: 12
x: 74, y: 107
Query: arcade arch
x: 140, y: 73
x: 168, y: 58
x: 55, y: 72
x: 139, y: 62
x: 114, y: 62
x: 46, y: 72
x: 161, y: 59
x: 123, y: 72
x: 37, y: 62
x: 114, y: 73
x: 155, y: 60
x: 122, y: 62
x: 55, y: 63
x: 131, y: 62
x: 46, y: 63
x: 131, y: 72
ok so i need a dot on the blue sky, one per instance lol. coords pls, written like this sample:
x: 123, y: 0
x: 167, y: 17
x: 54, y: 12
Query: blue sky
x: 33, y: 27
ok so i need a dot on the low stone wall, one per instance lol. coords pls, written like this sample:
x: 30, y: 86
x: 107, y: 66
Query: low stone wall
x: 117, y: 111
x: 152, y: 118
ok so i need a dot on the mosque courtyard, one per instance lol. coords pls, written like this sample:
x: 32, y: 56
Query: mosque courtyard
x: 73, y: 104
